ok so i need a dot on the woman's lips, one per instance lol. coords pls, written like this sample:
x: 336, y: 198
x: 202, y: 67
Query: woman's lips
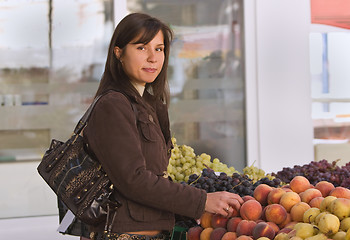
x: 150, y: 70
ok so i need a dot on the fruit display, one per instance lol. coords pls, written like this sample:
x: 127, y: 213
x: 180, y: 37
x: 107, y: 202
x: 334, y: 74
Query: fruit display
x: 237, y: 183
x: 310, y: 201
x: 184, y: 162
x: 317, y: 171
x: 299, y: 210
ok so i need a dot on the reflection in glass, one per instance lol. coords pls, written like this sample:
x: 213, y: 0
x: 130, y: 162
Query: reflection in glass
x: 205, y: 75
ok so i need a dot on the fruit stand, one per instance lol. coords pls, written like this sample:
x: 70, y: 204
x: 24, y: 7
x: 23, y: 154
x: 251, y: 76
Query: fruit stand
x: 302, y: 202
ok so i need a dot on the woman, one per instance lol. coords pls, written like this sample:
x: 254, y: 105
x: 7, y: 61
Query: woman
x: 128, y: 132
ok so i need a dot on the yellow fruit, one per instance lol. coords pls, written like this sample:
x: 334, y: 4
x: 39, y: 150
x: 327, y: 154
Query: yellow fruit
x: 345, y: 224
x: 339, y: 235
x: 325, y: 204
x: 329, y: 224
x: 295, y: 238
x: 340, y: 207
x: 305, y: 230
x: 282, y: 236
x: 318, y: 217
x: 310, y: 215
x: 319, y: 236
x: 347, y: 236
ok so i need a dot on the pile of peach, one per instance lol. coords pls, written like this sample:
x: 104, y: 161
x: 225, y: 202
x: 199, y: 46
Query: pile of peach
x: 270, y: 212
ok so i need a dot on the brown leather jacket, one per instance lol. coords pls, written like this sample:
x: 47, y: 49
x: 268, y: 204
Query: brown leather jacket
x: 135, y: 157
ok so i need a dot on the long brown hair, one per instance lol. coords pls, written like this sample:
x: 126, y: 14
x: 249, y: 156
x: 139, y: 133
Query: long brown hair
x: 130, y: 27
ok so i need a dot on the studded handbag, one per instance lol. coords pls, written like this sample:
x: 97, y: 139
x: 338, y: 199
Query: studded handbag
x: 78, y: 179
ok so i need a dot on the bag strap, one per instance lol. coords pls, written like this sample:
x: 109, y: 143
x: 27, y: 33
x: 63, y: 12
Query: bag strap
x: 82, y: 122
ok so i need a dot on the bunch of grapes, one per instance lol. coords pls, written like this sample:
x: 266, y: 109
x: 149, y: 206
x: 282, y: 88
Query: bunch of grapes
x: 212, y: 182
x: 184, y: 162
x: 237, y: 183
x: 317, y: 171
x: 256, y: 173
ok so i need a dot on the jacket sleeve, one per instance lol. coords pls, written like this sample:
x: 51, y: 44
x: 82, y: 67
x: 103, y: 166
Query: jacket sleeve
x: 114, y: 139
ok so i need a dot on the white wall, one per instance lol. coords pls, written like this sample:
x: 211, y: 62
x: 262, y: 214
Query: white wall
x: 279, y: 124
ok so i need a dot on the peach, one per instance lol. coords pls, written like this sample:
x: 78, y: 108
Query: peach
x: 286, y: 188
x: 286, y: 221
x: 291, y: 225
x: 244, y: 237
x: 275, y: 213
x: 218, y: 220
x: 261, y: 192
x: 205, y: 219
x: 274, y: 226
x: 340, y: 192
x: 245, y: 227
x: 285, y: 230
x: 298, y: 210
x: 275, y: 195
x: 233, y: 223
x: 263, y: 217
x: 229, y: 236
x: 324, y: 187
x: 316, y: 202
x: 194, y: 233
x: 310, y: 194
x: 205, y: 234
x: 235, y: 212
x: 217, y: 233
x: 247, y: 197
x: 263, y: 229
x: 251, y: 210
x: 299, y: 184
x: 289, y: 199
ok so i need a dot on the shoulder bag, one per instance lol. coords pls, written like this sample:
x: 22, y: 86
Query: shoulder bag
x: 78, y: 179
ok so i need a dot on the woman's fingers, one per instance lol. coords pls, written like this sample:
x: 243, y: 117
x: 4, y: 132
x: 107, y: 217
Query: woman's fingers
x: 235, y: 204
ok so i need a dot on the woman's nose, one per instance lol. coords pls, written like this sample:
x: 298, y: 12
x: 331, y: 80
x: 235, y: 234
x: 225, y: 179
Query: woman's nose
x: 151, y: 56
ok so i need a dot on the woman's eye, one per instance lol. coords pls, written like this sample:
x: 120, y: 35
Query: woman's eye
x: 159, y: 49
x: 141, y: 48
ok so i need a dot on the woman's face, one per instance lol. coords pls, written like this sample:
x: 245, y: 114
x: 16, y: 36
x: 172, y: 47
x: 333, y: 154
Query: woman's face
x: 142, y: 62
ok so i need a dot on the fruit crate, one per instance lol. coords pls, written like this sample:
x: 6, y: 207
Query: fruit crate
x: 179, y: 233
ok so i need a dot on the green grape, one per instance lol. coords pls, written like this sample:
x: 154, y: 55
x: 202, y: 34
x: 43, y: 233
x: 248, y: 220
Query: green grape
x: 255, y: 173
x: 184, y: 162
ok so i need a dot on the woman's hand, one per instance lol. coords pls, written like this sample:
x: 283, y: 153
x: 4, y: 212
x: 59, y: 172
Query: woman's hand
x: 224, y: 203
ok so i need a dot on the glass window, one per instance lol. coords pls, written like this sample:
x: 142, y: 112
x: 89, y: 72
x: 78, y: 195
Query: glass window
x: 205, y: 74
x: 52, y: 55
x: 330, y: 55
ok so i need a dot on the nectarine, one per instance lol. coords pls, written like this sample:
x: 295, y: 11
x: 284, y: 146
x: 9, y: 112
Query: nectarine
x: 261, y: 192
x: 275, y: 213
x: 340, y: 192
x: 233, y: 223
x: 299, y: 184
x: 194, y: 233
x: 205, y: 219
x: 218, y: 220
x: 263, y: 229
x: 298, y: 210
x: 310, y: 194
x: 275, y: 195
x: 245, y: 227
x: 289, y: 199
x: 324, y: 187
x: 251, y: 210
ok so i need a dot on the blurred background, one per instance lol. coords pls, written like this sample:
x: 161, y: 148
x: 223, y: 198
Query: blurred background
x: 251, y: 82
